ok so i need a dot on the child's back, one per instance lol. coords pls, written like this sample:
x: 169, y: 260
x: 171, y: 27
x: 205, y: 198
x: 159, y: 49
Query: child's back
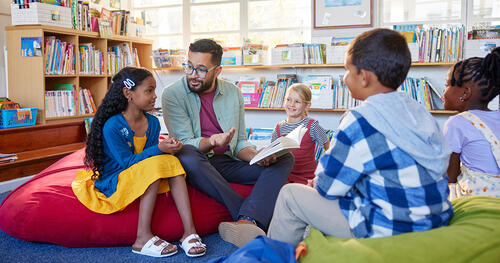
x: 475, y: 151
x: 387, y: 162
x: 394, y: 163
x: 385, y: 171
x: 474, y: 133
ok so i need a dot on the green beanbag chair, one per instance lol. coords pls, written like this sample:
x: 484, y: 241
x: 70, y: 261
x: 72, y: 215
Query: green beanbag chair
x: 473, y: 235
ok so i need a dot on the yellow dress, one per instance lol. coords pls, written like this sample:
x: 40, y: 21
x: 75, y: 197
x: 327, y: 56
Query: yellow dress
x: 132, y: 182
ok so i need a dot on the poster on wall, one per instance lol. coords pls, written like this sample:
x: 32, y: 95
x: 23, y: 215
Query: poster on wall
x: 342, y: 13
x: 115, y: 4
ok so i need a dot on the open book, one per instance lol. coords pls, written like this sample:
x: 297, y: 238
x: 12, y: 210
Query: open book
x: 281, y: 145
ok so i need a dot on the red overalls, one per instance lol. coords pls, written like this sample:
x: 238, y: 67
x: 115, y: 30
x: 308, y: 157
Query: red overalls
x: 305, y: 161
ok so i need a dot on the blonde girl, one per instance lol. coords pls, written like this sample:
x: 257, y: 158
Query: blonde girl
x: 297, y: 102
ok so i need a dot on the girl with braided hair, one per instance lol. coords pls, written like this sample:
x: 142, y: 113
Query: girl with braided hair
x: 125, y: 161
x: 474, y: 133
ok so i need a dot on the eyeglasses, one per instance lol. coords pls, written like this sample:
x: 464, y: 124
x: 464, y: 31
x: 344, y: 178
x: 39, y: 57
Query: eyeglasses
x: 201, y: 72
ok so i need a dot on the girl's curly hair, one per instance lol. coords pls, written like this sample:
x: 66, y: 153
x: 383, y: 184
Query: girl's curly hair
x: 484, y: 72
x: 114, y: 102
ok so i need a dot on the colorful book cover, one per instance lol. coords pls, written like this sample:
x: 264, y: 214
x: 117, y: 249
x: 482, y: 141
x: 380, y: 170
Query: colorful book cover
x: 31, y: 46
x: 250, y: 92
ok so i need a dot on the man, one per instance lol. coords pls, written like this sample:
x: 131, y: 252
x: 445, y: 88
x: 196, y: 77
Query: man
x: 207, y: 114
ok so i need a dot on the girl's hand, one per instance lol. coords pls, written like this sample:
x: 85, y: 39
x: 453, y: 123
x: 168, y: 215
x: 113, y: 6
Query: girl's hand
x: 170, y: 145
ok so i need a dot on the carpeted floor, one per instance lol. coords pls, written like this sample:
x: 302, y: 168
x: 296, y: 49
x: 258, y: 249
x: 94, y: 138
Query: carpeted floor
x: 16, y: 250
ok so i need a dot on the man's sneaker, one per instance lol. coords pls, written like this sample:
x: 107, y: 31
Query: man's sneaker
x: 239, y: 233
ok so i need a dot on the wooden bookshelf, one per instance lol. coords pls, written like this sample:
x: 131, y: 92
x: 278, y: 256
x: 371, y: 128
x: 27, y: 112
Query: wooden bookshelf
x: 440, y: 64
x: 336, y: 110
x: 28, y: 80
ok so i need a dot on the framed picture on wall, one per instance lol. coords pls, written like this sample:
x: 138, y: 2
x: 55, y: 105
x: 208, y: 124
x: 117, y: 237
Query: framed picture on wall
x: 342, y: 13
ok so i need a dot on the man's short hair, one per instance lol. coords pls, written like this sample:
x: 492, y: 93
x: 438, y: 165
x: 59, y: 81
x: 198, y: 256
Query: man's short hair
x: 383, y: 52
x: 208, y: 46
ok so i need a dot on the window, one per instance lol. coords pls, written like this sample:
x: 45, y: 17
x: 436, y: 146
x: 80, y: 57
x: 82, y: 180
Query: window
x: 486, y: 12
x: 468, y: 13
x: 176, y: 23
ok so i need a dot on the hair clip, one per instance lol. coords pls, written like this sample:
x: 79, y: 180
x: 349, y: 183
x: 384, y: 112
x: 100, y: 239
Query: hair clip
x: 128, y: 83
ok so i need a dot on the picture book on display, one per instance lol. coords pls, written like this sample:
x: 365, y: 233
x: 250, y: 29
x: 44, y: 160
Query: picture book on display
x: 281, y: 145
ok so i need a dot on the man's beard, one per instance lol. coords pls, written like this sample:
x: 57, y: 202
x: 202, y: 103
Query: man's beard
x: 205, y: 85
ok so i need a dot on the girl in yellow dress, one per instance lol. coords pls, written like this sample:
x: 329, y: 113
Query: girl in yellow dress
x: 125, y: 161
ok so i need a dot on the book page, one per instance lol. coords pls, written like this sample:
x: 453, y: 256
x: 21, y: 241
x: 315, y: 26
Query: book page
x: 281, y: 145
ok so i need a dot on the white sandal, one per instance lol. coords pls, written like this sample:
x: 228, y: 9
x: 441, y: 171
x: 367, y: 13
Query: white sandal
x: 153, y: 250
x: 186, y: 245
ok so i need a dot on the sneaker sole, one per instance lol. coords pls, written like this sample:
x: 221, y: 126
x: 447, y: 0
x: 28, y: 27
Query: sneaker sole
x: 240, y: 234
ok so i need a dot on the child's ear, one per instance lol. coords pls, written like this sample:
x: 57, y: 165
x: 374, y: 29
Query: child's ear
x: 126, y: 93
x: 467, y: 93
x: 366, y: 78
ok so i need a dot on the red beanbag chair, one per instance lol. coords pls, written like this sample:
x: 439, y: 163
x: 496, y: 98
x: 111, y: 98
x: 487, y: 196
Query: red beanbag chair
x: 44, y: 209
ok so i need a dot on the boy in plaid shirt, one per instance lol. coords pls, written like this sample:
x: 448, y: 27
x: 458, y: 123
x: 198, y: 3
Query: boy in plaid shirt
x: 385, y: 171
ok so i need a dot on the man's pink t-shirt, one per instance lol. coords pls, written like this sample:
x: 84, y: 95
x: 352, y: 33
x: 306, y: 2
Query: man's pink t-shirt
x: 208, y: 120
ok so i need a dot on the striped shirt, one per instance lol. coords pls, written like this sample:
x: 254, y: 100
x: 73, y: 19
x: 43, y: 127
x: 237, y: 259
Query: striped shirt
x: 318, y: 134
x: 381, y: 190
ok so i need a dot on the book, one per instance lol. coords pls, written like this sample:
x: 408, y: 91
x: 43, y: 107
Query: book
x: 260, y: 137
x: 8, y: 157
x: 281, y: 145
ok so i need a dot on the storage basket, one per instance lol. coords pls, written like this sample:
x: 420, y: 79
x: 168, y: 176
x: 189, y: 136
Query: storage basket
x: 41, y: 14
x: 18, y: 117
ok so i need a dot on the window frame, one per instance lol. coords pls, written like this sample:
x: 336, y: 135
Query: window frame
x: 186, y: 32
x: 466, y: 17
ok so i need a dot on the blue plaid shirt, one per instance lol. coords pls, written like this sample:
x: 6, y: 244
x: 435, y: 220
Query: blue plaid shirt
x: 381, y: 190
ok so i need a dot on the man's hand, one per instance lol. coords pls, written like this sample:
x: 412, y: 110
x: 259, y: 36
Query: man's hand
x: 222, y: 139
x: 170, y: 145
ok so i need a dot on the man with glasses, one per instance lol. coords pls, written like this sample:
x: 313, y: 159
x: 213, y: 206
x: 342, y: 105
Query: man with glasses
x: 206, y: 113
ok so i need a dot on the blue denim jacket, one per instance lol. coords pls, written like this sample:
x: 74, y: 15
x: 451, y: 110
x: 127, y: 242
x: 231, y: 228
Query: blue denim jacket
x: 181, y: 111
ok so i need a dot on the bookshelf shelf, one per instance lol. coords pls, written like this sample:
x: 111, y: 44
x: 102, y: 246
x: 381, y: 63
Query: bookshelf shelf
x: 69, y: 117
x: 60, y: 76
x: 30, y: 91
x: 304, y: 66
x: 336, y: 110
x: 93, y: 75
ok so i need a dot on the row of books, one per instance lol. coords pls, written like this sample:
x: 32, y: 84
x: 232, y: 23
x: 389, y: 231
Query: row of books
x: 67, y: 100
x: 273, y: 92
x: 81, y: 15
x: 60, y: 58
x: 121, y: 56
x: 491, y: 32
x: 421, y: 90
x: 168, y: 57
x: 328, y: 93
x: 342, y: 98
x: 440, y: 44
x: 91, y: 59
